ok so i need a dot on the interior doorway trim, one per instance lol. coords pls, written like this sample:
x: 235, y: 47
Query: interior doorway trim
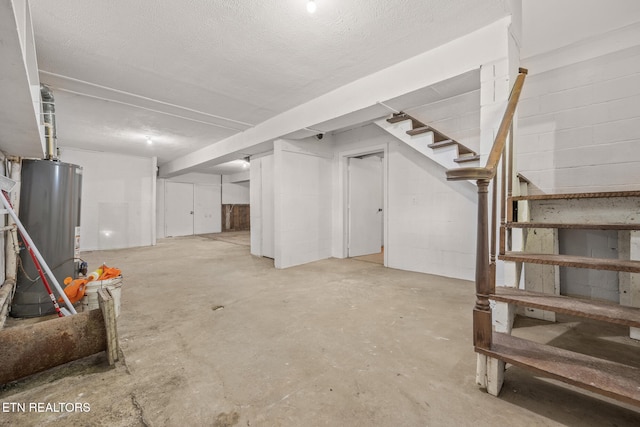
x: 343, y: 185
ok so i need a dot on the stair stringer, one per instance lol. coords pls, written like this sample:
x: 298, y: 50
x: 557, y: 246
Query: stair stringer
x: 444, y: 156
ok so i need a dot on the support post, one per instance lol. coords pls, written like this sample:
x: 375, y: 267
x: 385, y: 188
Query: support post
x: 482, y: 309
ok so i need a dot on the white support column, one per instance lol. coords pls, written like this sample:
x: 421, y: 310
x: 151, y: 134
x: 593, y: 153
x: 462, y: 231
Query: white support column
x: 481, y: 370
x: 495, y: 376
x: 503, y: 315
x: 489, y: 374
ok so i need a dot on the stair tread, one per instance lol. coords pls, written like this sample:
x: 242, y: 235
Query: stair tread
x: 573, y: 261
x: 444, y: 143
x: 596, y: 195
x: 467, y: 158
x: 580, y: 226
x: 398, y: 118
x: 591, y: 309
x: 419, y: 130
x: 612, y: 379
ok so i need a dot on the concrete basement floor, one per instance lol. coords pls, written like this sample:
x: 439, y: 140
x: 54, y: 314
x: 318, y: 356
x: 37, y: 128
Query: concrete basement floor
x: 335, y: 342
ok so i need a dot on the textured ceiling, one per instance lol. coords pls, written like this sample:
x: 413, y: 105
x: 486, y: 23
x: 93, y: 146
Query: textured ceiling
x: 192, y: 72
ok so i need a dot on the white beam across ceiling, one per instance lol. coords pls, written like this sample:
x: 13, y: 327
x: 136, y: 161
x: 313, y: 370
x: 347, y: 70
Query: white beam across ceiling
x: 451, y: 59
x: 20, y: 131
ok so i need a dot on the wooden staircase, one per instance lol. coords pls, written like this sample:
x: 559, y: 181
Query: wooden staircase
x: 602, y: 376
x: 606, y: 377
x: 440, y: 140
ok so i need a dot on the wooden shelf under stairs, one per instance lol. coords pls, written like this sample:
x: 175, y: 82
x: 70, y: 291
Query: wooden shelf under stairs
x: 612, y: 379
x: 440, y: 140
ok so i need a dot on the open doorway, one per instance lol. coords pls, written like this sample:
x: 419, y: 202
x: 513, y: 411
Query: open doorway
x: 365, y: 211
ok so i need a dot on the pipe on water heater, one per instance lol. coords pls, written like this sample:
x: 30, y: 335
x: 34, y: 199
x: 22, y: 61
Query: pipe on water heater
x: 49, y: 119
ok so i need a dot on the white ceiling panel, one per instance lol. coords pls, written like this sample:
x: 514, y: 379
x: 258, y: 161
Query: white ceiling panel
x: 175, y: 69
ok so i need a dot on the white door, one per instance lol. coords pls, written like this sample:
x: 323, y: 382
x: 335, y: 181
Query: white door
x: 268, y: 208
x: 365, y: 206
x: 207, y: 215
x: 178, y: 198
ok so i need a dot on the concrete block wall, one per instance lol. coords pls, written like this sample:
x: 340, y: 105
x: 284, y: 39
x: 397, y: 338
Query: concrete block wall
x: 457, y: 117
x: 431, y: 222
x: 578, y: 124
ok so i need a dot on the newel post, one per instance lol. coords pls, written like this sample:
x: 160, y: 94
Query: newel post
x: 482, y: 310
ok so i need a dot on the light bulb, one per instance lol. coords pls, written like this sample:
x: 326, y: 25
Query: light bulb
x: 149, y: 140
x: 311, y: 6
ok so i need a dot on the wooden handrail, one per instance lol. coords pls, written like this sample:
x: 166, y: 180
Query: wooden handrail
x: 460, y: 174
x: 486, y: 245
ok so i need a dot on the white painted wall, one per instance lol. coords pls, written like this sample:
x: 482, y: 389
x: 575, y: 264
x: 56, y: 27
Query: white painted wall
x: 198, y: 180
x: 262, y: 205
x: 118, y: 194
x: 457, y: 117
x: 255, y: 200
x: 552, y: 24
x: 302, y: 194
x: 430, y: 222
x: 235, y: 193
x: 578, y: 122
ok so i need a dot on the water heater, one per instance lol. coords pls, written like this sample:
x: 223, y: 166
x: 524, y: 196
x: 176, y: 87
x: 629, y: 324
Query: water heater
x: 50, y: 211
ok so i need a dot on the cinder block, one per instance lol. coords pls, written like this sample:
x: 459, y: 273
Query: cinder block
x: 619, y: 130
x: 567, y: 99
x: 488, y: 92
x: 620, y: 63
x: 502, y: 88
x: 622, y: 87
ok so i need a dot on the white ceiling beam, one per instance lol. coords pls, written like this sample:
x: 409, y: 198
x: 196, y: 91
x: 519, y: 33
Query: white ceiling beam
x: 103, y: 93
x: 20, y: 130
x: 451, y: 59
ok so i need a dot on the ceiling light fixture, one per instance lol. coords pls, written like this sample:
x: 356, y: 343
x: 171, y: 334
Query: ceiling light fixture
x: 149, y: 140
x: 311, y: 6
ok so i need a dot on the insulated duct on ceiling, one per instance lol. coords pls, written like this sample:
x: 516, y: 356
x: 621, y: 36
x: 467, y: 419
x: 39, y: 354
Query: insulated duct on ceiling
x: 49, y: 119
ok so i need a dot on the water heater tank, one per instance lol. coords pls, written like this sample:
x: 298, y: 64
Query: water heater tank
x: 50, y: 212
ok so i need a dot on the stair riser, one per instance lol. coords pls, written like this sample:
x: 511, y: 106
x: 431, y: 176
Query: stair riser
x: 609, y: 210
x: 592, y: 265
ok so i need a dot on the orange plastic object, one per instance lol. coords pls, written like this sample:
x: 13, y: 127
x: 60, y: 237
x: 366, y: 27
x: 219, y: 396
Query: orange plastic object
x: 74, y: 290
x: 109, y: 273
